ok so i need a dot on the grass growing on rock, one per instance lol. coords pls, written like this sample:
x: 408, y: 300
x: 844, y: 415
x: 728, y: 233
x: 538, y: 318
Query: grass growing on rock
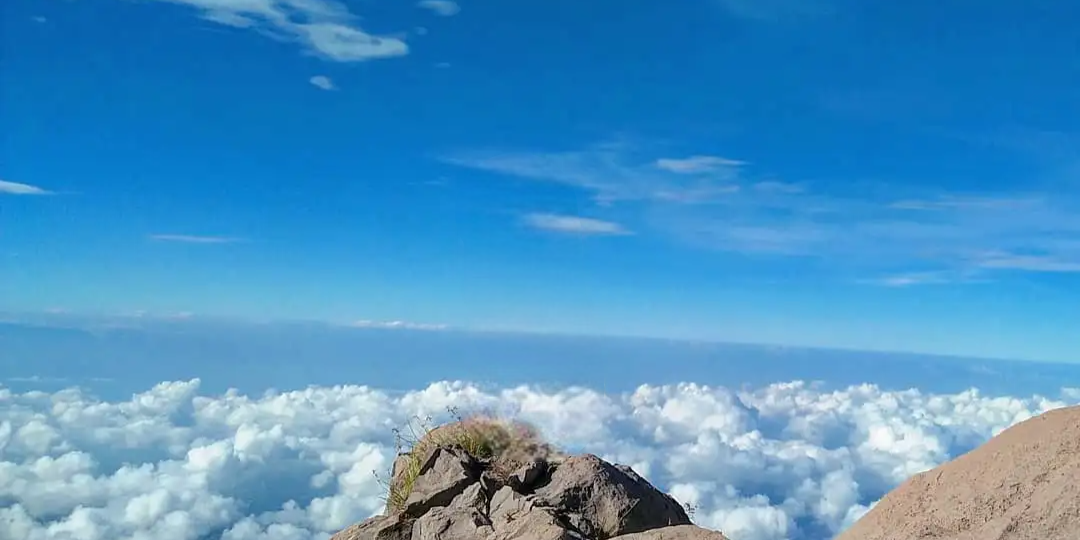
x: 503, y: 445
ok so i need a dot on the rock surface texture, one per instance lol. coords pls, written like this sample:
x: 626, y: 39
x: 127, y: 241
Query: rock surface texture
x: 1023, y: 484
x: 458, y: 497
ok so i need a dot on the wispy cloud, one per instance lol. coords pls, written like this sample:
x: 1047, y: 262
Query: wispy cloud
x: 968, y: 203
x: 574, y: 225
x: 193, y: 239
x: 144, y: 314
x: 38, y: 379
x: 1026, y: 262
x: 15, y: 188
x: 698, y: 164
x: 718, y: 203
x: 915, y: 279
x: 323, y: 82
x: 611, y: 175
x: 324, y: 27
x: 444, y: 8
x: 398, y: 325
x: 772, y: 186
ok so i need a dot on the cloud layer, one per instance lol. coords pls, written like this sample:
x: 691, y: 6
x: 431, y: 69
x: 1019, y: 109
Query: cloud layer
x: 785, y: 461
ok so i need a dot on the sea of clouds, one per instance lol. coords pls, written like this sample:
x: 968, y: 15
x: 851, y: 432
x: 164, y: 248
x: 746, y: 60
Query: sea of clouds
x: 785, y: 461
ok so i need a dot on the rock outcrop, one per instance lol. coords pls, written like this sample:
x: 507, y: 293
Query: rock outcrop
x: 459, y: 497
x: 1023, y: 484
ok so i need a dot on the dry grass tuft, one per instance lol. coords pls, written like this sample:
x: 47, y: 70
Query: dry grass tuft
x: 503, y: 445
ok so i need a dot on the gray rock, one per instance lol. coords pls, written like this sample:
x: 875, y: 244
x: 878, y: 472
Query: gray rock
x: 399, y: 465
x: 535, y: 524
x: 528, y: 476
x: 678, y: 532
x: 444, y: 475
x: 515, y: 517
x: 473, y: 497
x: 602, y: 501
x: 453, y: 523
x: 507, y: 505
x: 377, y: 528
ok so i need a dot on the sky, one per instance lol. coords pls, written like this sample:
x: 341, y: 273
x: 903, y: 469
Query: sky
x: 867, y: 175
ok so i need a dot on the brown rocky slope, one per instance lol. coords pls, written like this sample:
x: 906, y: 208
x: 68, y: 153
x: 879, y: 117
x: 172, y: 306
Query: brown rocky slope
x: 1023, y: 484
x: 456, y: 496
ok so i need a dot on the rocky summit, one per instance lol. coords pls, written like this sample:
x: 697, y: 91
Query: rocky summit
x: 457, y: 496
x: 1023, y: 484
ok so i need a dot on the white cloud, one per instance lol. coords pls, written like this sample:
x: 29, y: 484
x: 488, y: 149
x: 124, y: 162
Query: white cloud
x: 1031, y: 263
x: 697, y: 164
x: 772, y: 463
x: 912, y: 279
x: 193, y: 239
x: 323, y: 82
x: 609, y: 174
x: 39, y: 19
x: 15, y: 188
x: 398, y: 325
x: 574, y: 225
x: 324, y: 27
x: 444, y: 8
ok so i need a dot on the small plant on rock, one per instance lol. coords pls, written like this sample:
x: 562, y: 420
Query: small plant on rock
x: 503, y: 445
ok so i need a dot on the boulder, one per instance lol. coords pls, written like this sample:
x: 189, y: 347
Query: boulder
x: 526, y: 477
x: 452, y: 523
x: 1023, y: 484
x: 602, y: 500
x: 446, y: 473
x: 459, y: 497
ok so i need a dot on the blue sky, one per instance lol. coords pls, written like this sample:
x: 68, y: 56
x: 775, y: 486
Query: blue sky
x: 882, y: 175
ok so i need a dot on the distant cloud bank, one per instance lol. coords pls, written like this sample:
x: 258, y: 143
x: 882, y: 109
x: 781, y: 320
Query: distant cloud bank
x: 772, y: 463
x: 398, y: 325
